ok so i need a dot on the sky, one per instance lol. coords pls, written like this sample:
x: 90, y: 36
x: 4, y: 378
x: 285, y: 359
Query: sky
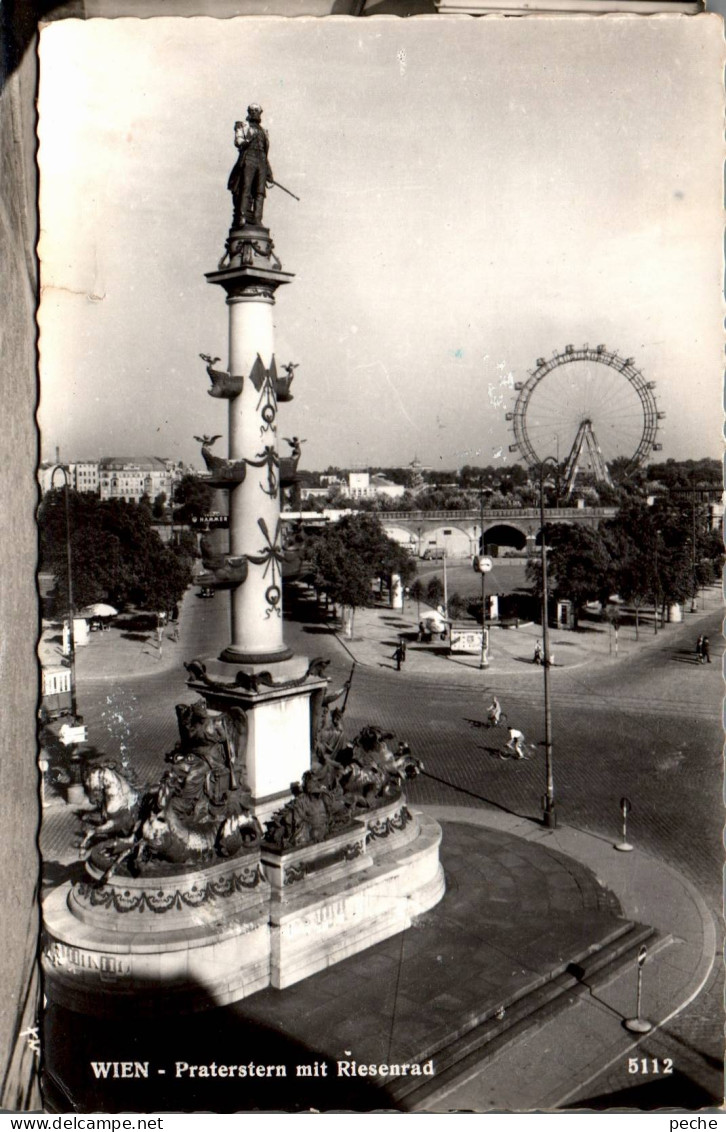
x: 474, y: 194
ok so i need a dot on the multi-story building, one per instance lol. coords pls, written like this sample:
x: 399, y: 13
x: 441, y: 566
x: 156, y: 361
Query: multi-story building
x: 85, y: 475
x: 117, y: 477
x: 131, y: 477
x: 82, y: 476
x: 363, y: 485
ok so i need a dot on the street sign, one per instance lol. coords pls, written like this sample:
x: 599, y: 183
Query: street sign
x: 482, y: 564
x: 213, y: 520
x: 464, y: 638
x: 642, y: 955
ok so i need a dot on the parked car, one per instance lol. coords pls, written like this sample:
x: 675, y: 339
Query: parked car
x: 434, y: 552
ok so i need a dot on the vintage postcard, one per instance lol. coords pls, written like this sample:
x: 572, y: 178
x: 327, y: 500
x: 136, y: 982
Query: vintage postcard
x: 380, y: 371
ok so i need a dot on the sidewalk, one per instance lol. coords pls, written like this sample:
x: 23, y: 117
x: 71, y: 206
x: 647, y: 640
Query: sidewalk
x: 563, y: 1056
x: 376, y: 632
x: 119, y: 654
x: 499, y: 984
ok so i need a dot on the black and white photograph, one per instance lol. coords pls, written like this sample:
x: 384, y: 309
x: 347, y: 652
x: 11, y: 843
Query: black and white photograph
x: 380, y: 450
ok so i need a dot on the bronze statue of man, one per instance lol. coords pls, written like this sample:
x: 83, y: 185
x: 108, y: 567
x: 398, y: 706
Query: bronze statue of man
x: 252, y: 172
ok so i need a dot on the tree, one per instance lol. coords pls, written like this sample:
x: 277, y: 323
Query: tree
x: 457, y: 606
x: 579, y: 566
x: 185, y: 542
x: 653, y: 546
x: 192, y: 498
x: 116, y: 554
x: 417, y: 593
x: 158, y: 509
x: 347, y: 556
x: 435, y: 590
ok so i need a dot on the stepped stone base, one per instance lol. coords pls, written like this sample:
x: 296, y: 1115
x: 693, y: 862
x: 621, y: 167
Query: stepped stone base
x: 184, y: 941
x: 327, y: 916
x: 200, y: 938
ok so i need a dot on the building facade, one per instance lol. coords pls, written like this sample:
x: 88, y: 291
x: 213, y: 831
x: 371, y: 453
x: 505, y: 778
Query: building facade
x: 131, y: 477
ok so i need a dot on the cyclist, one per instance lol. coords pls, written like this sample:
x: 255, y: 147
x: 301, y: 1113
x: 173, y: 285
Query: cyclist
x: 515, y: 743
x: 494, y: 712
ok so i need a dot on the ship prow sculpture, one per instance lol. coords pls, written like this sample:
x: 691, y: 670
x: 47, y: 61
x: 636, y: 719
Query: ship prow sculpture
x: 272, y: 845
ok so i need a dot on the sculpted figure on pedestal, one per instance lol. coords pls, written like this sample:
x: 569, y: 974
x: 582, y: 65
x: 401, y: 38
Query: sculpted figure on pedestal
x: 252, y: 173
x: 196, y: 814
x: 233, y: 471
x: 314, y: 813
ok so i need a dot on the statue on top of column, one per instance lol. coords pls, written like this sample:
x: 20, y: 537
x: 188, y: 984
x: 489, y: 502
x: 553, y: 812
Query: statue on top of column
x: 252, y: 173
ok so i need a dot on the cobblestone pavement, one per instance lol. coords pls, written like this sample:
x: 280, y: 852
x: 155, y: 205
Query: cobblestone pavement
x: 647, y: 728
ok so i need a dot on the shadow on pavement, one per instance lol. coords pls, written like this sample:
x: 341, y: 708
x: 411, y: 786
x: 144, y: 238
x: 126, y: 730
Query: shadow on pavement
x: 676, y: 1090
x: 55, y: 873
x: 223, y: 1036
x: 685, y: 656
x: 479, y: 797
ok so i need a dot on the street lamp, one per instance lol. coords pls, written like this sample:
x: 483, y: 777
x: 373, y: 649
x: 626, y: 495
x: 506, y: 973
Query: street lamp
x: 549, y: 817
x: 656, y: 587
x: 483, y: 566
x: 693, y: 544
x: 71, y: 615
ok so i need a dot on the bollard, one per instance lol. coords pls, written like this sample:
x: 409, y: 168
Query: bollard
x: 624, y: 846
x: 639, y: 1025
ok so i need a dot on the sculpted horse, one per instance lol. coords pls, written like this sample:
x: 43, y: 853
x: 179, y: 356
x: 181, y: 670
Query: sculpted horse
x: 116, y: 801
x: 167, y: 835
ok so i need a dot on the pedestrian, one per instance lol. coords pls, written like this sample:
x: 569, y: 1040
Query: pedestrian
x: 706, y: 650
x: 494, y: 712
x: 537, y: 658
x: 398, y: 656
x: 515, y: 743
x: 699, y: 651
x: 402, y: 646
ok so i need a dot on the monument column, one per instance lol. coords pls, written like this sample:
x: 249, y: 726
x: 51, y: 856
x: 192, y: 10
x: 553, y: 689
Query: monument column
x: 250, y: 281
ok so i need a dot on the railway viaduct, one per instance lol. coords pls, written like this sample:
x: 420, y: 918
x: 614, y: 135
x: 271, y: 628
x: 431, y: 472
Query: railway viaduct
x: 459, y: 532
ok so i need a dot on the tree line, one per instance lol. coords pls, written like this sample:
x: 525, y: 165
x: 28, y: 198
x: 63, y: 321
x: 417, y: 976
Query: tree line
x: 646, y: 555
x: 117, y: 555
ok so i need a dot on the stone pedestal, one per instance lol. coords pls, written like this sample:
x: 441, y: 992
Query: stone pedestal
x: 189, y: 940
x: 205, y: 937
x: 278, y: 750
x: 333, y: 900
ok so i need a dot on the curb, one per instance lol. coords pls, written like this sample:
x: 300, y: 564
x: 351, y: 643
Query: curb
x: 704, y: 933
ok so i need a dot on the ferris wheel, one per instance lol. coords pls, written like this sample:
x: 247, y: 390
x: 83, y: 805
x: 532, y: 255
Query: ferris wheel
x: 587, y: 407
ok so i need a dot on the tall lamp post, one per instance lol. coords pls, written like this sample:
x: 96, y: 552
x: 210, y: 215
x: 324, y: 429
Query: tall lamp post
x: 483, y: 565
x: 693, y: 544
x: 656, y: 585
x: 71, y: 615
x: 549, y: 817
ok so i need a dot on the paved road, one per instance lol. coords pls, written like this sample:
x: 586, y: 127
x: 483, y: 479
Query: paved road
x: 618, y: 731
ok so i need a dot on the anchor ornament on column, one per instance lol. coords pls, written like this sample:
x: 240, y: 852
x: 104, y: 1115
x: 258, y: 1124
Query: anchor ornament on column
x: 271, y: 557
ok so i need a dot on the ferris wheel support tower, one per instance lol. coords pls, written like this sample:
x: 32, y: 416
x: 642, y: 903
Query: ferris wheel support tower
x: 586, y: 451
